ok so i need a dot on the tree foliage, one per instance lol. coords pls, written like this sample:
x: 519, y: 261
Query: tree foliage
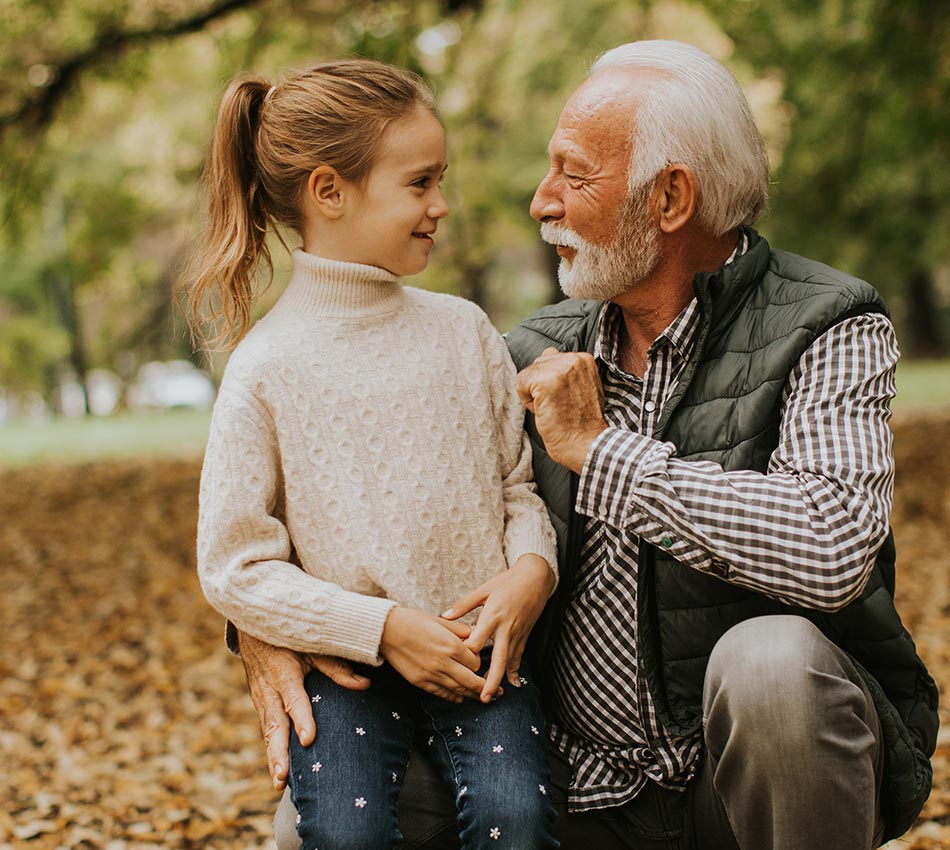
x: 108, y: 104
x: 863, y: 182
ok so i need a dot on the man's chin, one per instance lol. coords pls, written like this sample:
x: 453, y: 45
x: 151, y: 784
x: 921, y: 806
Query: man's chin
x: 567, y: 280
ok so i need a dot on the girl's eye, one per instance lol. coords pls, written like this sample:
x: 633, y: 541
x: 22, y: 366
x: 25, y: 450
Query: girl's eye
x: 422, y: 183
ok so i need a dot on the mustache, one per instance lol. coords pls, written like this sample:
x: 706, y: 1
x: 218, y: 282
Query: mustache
x: 557, y: 234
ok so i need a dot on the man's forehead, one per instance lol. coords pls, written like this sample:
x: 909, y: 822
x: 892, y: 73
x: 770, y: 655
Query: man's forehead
x: 612, y: 94
x: 597, y: 119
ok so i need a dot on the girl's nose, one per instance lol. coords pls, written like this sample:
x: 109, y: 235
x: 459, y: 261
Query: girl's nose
x: 438, y: 208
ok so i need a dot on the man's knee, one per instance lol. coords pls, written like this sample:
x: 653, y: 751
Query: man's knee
x: 778, y: 673
x: 768, y: 657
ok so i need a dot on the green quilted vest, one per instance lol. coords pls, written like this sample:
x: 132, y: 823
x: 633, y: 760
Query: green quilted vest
x: 760, y: 314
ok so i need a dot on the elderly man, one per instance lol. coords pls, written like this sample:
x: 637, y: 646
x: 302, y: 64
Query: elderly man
x: 723, y: 663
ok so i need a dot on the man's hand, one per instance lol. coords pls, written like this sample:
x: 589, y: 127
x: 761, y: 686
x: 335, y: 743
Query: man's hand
x: 275, y: 679
x: 565, y: 394
x: 513, y: 601
x: 428, y: 652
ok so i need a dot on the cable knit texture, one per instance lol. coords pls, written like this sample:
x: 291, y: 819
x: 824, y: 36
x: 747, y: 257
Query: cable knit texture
x: 366, y: 450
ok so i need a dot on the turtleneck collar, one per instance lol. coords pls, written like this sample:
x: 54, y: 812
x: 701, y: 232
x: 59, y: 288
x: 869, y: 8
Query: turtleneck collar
x: 336, y: 289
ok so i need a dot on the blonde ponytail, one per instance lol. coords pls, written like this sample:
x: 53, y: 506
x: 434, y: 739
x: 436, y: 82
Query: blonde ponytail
x: 223, y: 273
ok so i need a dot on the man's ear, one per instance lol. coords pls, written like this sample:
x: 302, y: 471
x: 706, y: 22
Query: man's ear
x: 327, y: 192
x: 676, y: 197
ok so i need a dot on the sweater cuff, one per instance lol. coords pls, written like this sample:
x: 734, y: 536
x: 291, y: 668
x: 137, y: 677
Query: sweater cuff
x: 356, y: 623
x: 535, y: 542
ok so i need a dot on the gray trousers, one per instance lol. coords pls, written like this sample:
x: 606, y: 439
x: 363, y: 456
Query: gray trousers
x: 793, y: 759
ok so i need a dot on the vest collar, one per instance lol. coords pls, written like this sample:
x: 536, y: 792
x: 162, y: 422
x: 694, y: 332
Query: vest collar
x: 722, y: 293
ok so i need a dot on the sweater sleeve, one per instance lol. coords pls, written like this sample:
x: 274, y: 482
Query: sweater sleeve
x: 528, y: 528
x: 244, y: 548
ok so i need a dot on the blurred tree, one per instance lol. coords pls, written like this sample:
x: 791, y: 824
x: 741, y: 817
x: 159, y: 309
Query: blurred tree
x: 501, y: 83
x: 103, y: 125
x: 104, y: 122
x: 100, y: 161
x: 29, y: 355
x: 863, y: 181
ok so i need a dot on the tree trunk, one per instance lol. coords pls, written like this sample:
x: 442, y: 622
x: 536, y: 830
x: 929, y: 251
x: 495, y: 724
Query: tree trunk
x: 925, y: 334
x: 64, y: 302
x: 473, y: 284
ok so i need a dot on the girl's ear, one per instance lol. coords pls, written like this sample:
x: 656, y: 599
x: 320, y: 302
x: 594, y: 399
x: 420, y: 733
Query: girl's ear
x: 326, y: 191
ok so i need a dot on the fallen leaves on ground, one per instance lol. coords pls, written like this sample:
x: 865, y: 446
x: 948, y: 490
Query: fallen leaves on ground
x: 126, y: 724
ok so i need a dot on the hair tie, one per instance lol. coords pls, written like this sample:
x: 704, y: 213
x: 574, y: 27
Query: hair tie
x: 270, y: 91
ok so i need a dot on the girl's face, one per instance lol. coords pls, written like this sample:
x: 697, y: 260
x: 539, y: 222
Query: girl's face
x: 392, y: 219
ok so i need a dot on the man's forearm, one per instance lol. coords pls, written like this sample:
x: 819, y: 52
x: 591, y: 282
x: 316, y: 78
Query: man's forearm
x: 789, y: 537
x: 807, y: 531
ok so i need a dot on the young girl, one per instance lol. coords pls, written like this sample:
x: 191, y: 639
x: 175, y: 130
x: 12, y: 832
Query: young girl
x: 366, y: 467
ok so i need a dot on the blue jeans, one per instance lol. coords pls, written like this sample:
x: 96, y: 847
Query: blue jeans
x: 793, y: 758
x: 493, y: 758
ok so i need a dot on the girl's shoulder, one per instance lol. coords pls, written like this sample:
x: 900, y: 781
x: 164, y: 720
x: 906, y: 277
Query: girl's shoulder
x: 464, y: 318
x: 257, y: 358
x: 447, y: 305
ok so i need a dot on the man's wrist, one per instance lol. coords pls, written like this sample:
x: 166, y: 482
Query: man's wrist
x: 610, y: 473
x: 577, y: 450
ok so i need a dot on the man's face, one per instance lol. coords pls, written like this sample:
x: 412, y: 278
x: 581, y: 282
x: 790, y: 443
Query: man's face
x: 606, y: 238
x: 600, y: 272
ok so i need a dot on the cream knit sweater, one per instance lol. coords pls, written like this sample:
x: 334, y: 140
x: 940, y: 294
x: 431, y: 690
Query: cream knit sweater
x: 366, y: 450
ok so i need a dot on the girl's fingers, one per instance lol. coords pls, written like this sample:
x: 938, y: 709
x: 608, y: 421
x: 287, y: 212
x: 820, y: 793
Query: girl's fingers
x: 467, y: 603
x: 496, y: 670
x: 472, y: 683
x: 514, y: 666
x: 485, y: 627
x: 460, y: 630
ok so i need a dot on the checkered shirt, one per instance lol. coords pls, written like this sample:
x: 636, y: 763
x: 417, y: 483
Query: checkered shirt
x: 806, y: 532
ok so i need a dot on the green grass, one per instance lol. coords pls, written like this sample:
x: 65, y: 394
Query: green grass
x: 921, y: 384
x: 179, y: 433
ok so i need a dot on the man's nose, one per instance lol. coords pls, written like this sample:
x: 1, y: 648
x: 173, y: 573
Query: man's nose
x: 546, y: 205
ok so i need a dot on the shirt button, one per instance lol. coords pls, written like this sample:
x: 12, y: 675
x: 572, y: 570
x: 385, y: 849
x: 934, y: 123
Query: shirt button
x: 650, y: 406
x: 666, y: 542
x: 719, y: 568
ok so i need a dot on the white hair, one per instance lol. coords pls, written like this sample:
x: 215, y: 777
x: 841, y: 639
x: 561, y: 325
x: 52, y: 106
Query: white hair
x: 696, y: 114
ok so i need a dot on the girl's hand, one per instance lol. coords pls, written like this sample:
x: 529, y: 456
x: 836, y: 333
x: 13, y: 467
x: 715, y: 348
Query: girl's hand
x: 513, y: 601
x: 429, y: 653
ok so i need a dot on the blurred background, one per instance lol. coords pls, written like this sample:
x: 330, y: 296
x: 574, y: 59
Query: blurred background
x: 106, y: 109
x: 125, y: 723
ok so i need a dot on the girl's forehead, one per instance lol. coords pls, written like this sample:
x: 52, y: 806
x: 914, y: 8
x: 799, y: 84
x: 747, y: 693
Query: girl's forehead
x: 417, y: 141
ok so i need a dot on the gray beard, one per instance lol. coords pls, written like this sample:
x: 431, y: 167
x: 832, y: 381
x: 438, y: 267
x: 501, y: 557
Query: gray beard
x: 601, y: 274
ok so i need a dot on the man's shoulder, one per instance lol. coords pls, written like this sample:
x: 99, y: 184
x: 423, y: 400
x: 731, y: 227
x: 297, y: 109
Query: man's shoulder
x: 789, y: 267
x: 567, y: 326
